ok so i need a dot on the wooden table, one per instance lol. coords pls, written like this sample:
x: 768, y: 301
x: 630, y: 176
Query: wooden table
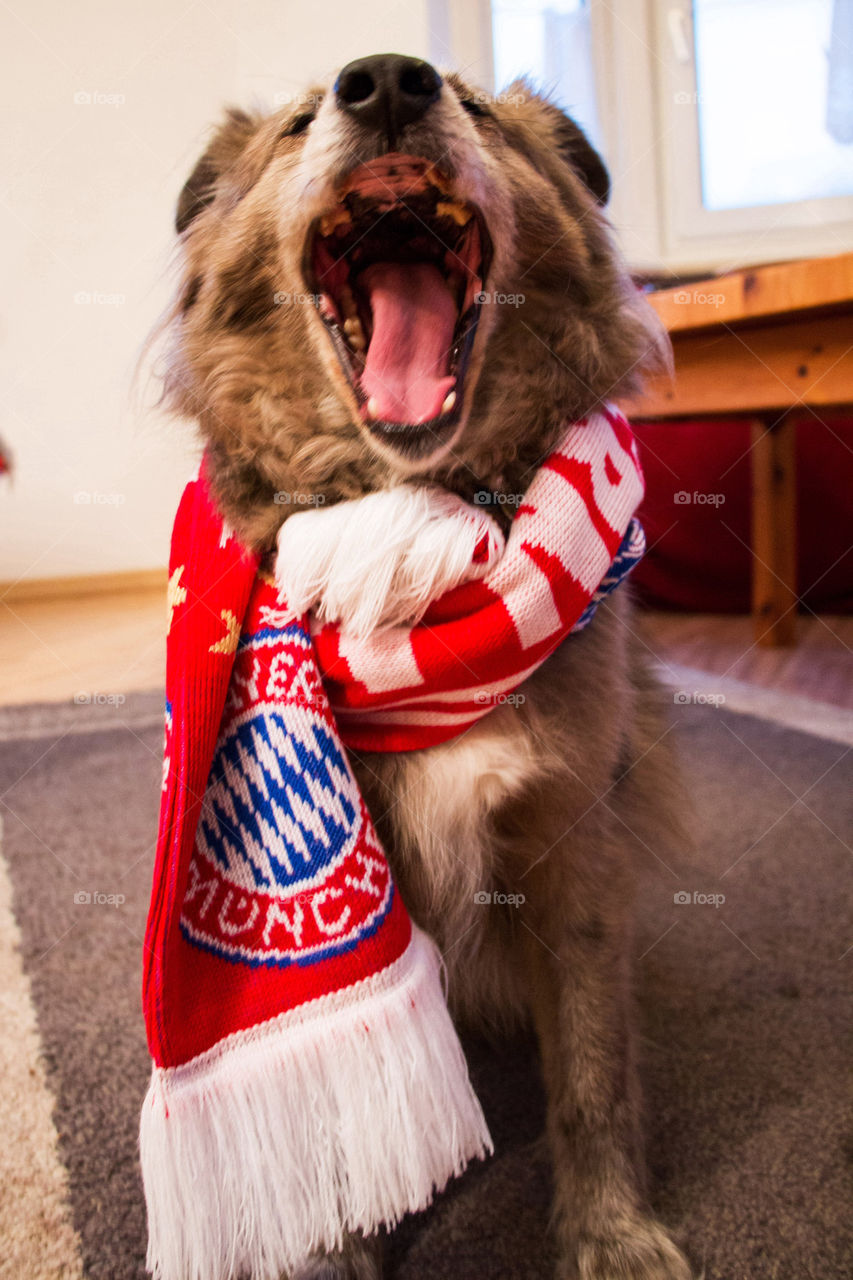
x: 773, y: 345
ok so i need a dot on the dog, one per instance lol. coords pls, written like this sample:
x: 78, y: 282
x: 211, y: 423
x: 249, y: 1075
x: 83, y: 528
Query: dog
x: 403, y: 283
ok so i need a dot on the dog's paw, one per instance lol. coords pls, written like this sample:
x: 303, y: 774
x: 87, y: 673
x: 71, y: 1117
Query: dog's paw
x: 381, y: 560
x: 638, y: 1250
x: 359, y: 1259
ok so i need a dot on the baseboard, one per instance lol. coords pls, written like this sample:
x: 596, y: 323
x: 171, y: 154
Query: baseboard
x: 807, y: 715
x: 93, y: 584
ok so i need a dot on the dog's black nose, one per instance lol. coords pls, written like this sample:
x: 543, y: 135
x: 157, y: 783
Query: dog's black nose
x: 388, y: 91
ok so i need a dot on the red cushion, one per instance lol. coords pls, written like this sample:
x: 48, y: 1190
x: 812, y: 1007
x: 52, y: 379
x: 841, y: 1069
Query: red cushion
x: 697, y: 515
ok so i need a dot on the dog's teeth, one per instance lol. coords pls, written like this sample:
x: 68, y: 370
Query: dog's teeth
x: 337, y: 217
x: 373, y: 407
x: 436, y: 179
x: 449, y: 402
x: 355, y: 333
x: 458, y: 212
x: 348, y: 304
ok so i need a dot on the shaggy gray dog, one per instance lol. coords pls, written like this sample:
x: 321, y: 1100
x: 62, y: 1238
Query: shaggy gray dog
x: 498, y: 250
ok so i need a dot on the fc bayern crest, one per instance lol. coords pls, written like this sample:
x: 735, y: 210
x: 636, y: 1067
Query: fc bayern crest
x: 286, y: 867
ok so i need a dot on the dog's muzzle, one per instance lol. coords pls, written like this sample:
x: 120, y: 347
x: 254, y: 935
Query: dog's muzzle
x: 398, y: 260
x: 387, y: 92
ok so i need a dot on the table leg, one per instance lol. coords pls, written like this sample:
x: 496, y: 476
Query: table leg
x: 774, y: 530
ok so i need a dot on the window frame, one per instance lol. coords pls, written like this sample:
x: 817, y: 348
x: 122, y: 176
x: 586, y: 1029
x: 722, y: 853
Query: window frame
x: 646, y: 89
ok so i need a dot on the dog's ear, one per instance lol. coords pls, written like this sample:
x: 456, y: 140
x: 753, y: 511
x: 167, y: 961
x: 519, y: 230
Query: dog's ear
x: 225, y: 148
x: 579, y: 152
x: 533, y: 111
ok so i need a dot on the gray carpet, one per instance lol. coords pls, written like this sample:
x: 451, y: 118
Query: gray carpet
x: 745, y: 1007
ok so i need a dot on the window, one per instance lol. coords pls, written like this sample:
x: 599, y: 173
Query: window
x: 755, y: 108
x: 727, y: 124
x: 775, y: 101
x: 549, y: 41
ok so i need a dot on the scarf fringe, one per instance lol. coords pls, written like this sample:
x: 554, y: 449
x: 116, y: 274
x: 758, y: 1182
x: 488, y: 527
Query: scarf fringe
x: 342, y: 1115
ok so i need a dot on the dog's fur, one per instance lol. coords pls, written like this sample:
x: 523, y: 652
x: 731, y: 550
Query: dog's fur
x: 557, y: 796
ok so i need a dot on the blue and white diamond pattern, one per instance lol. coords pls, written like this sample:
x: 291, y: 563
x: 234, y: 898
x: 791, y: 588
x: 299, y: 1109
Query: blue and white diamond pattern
x: 282, y: 806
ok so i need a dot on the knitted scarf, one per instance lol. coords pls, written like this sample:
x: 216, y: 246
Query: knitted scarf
x: 307, y: 1079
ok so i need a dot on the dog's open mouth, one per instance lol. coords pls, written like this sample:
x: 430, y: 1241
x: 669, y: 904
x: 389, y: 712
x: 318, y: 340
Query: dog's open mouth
x: 397, y: 266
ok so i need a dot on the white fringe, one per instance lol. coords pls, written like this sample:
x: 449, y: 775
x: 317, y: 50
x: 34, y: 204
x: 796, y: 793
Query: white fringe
x: 344, y: 1114
x: 381, y: 560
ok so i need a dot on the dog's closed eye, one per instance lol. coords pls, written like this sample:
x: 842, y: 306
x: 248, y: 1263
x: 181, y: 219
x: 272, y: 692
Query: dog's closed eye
x: 297, y: 125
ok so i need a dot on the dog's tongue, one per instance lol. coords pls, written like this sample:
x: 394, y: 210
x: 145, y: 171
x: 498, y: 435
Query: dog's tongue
x: 414, y: 315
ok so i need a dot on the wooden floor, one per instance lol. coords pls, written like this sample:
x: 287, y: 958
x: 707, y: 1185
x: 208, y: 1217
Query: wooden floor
x: 82, y: 647
x: 101, y: 645
x: 818, y: 666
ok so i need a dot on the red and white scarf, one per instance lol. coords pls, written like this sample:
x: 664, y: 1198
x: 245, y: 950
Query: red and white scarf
x: 307, y: 1079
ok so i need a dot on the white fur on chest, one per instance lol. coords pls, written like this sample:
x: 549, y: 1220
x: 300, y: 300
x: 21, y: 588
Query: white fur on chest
x: 380, y: 560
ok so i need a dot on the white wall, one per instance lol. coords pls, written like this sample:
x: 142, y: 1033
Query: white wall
x: 88, y: 192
